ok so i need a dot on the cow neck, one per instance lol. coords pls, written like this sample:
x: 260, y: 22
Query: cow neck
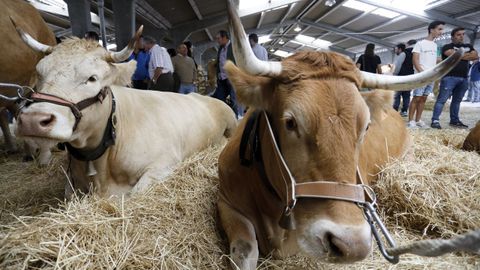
x: 258, y: 147
x: 108, y: 138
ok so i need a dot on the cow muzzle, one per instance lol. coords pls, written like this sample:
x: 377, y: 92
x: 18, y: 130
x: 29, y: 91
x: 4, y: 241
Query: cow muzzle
x: 35, y: 124
x: 337, y: 243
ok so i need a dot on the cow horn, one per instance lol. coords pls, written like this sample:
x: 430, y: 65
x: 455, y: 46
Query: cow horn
x: 31, y: 42
x: 244, y: 56
x: 127, y: 51
x: 388, y: 82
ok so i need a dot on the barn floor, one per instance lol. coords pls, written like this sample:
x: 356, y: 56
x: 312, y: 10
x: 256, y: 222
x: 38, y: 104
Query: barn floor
x: 162, y: 230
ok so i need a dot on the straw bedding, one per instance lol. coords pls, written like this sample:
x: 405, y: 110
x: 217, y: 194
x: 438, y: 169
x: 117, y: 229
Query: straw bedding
x: 173, y: 225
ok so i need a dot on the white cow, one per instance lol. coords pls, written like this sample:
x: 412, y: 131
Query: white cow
x: 118, y: 138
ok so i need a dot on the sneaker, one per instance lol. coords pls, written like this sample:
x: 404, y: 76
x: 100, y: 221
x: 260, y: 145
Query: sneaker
x: 404, y: 114
x: 436, y: 124
x: 412, y: 125
x: 458, y: 124
x: 421, y: 124
x: 466, y: 100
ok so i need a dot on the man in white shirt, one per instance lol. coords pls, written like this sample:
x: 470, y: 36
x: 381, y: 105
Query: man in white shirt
x: 259, y: 51
x: 160, y: 67
x: 424, y: 57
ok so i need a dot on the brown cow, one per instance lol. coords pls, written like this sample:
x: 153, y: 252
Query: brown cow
x: 18, y: 61
x: 472, y: 141
x: 310, y: 106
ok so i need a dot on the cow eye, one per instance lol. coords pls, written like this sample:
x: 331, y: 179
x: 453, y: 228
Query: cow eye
x: 290, y: 124
x: 92, y: 78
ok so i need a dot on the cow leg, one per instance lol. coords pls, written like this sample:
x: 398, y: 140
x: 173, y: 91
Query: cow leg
x: 151, y: 176
x: 241, y: 237
x: 9, y: 141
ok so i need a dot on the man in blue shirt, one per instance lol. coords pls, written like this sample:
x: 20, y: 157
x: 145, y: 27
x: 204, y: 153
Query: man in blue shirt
x: 474, y: 93
x: 140, y: 78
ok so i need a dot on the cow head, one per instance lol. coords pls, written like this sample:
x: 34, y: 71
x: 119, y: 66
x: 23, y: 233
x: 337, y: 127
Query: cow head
x: 320, y: 120
x: 74, y: 70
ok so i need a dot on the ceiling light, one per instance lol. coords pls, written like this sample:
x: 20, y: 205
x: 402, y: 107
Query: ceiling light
x: 272, y: 49
x: 297, y: 29
x: 282, y: 53
x: 281, y: 42
x: 354, y: 4
x: 330, y: 3
x: 264, y: 39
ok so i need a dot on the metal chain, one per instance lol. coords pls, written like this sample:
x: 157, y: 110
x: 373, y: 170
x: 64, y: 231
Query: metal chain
x: 469, y: 242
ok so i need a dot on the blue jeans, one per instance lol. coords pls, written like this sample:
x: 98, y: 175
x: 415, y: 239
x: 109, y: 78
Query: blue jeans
x: 405, y: 95
x: 225, y: 89
x: 454, y: 87
x: 186, y: 88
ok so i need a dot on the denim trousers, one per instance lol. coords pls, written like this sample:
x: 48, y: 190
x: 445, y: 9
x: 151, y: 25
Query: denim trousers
x: 186, y: 88
x: 474, y: 92
x: 225, y: 89
x: 454, y: 87
x: 405, y: 95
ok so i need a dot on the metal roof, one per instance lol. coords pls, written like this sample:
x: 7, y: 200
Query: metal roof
x: 348, y: 29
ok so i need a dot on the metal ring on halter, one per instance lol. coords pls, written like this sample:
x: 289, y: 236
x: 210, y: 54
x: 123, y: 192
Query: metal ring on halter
x: 21, y: 93
x: 289, y: 208
x: 372, y: 218
x: 13, y: 86
x: 371, y: 193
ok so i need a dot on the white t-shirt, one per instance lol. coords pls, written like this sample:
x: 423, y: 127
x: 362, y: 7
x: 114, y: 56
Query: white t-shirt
x: 159, y: 57
x: 427, y: 51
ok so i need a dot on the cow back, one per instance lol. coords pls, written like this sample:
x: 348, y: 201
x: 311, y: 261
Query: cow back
x: 18, y: 61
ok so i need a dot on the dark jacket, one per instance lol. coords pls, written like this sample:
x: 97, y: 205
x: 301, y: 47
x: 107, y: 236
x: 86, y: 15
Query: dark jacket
x: 407, y: 65
x: 229, y: 57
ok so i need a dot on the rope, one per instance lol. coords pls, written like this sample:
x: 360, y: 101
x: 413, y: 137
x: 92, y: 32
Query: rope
x: 469, y: 242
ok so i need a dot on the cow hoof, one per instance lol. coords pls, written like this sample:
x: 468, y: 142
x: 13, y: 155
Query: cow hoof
x: 27, y: 158
x: 243, y: 255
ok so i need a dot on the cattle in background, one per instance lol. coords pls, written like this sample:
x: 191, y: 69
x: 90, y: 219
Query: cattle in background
x: 472, y: 141
x: 118, y: 138
x: 18, y: 61
x: 299, y: 156
x: 212, y: 75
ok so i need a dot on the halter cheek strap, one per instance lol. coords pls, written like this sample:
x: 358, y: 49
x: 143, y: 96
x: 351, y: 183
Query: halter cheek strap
x: 76, y: 108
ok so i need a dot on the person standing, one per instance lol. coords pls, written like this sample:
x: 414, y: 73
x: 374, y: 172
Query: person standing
x: 224, y: 87
x: 160, y: 66
x: 474, y: 90
x: 403, y: 67
x: 185, y: 69
x: 369, y: 61
x: 424, y: 57
x: 140, y: 78
x: 455, y: 83
x: 259, y: 51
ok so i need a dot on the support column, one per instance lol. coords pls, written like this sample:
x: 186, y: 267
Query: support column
x: 124, y: 17
x: 80, y: 19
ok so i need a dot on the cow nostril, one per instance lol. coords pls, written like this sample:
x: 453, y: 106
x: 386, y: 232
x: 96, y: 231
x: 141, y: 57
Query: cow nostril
x: 333, y: 246
x: 47, y: 121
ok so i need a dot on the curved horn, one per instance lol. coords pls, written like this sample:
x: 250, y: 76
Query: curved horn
x: 31, y: 42
x: 127, y: 51
x: 389, y: 82
x: 244, y: 56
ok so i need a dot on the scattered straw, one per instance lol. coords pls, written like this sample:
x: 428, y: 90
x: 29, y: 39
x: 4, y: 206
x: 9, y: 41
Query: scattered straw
x: 173, y: 225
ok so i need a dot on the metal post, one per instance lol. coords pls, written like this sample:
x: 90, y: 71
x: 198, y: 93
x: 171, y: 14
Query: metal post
x: 101, y: 14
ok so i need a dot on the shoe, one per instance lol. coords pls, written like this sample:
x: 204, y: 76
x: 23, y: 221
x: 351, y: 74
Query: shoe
x: 412, y: 125
x: 403, y: 114
x: 421, y: 124
x: 458, y: 124
x: 466, y: 100
x: 436, y: 124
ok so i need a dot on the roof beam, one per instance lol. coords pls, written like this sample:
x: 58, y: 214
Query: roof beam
x: 349, y: 21
x: 195, y: 9
x: 343, y: 32
x: 209, y: 34
x: 428, y: 15
x: 144, y: 9
x: 324, y: 15
x: 285, y: 16
x: 262, y: 15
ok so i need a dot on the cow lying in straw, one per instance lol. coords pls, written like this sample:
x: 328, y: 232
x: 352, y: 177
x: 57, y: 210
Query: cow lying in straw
x: 118, y: 138
x: 293, y: 175
x: 472, y: 141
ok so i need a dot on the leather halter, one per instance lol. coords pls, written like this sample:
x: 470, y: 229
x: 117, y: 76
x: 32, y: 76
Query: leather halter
x: 109, y: 134
x: 76, y: 108
x: 283, y: 183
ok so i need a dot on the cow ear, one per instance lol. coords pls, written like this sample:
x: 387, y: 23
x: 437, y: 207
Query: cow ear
x: 252, y: 91
x: 122, y: 73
